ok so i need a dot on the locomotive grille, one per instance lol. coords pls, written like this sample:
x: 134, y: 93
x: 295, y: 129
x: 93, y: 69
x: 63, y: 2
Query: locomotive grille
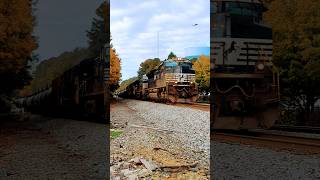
x: 180, y: 77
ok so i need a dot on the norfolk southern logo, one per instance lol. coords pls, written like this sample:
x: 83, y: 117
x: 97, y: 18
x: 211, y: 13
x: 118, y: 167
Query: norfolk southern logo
x: 233, y: 50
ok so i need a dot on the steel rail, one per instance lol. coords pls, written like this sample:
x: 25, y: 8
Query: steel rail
x: 276, y: 138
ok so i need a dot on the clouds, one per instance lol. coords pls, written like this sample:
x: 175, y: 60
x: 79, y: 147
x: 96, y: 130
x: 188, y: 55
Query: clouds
x: 137, y: 24
x: 121, y: 24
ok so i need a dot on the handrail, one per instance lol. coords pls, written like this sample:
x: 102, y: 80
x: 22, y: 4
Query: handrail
x: 236, y: 86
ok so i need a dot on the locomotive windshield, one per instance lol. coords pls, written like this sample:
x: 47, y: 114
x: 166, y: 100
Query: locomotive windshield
x: 239, y: 20
x: 181, y: 67
x: 186, y: 68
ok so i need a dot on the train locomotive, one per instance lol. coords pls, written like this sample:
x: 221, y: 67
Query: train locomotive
x: 244, y: 81
x: 172, y: 81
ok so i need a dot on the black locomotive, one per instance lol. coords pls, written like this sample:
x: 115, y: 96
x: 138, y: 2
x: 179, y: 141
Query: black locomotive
x: 172, y: 81
x: 244, y: 81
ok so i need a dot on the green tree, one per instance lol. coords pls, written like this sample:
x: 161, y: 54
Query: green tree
x: 125, y: 83
x: 296, y: 49
x: 147, y: 66
x: 172, y: 55
x: 97, y: 35
x: 53, y: 67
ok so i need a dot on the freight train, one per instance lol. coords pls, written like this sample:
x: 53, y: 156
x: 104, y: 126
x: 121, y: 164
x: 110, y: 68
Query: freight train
x: 172, y: 81
x: 244, y: 81
x: 81, y: 91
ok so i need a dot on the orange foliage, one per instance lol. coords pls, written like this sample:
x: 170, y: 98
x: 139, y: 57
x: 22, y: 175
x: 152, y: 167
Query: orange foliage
x: 114, y: 67
x: 16, y: 27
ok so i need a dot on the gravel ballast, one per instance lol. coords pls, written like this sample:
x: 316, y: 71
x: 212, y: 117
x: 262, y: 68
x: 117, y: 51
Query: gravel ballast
x: 189, y: 125
x: 163, y: 134
x: 235, y: 161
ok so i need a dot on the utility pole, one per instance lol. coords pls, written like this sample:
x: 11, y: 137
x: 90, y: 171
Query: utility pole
x: 158, y: 45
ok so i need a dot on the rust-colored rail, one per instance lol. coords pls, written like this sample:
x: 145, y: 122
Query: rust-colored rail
x: 199, y: 106
x: 295, y: 143
x: 307, y: 129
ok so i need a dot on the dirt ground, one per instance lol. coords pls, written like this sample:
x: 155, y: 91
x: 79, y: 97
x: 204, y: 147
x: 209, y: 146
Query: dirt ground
x: 48, y: 148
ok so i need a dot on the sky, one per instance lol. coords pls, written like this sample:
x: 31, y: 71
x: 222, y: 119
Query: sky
x: 140, y: 27
x: 62, y: 25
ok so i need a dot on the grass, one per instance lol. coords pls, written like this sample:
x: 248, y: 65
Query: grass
x: 115, y: 133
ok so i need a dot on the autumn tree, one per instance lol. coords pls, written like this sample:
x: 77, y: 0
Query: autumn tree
x: 16, y: 44
x: 202, y: 68
x: 296, y: 49
x: 99, y: 35
x: 147, y: 66
x: 115, y: 69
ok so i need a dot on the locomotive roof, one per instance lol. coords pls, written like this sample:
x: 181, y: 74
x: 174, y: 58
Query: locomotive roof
x: 174, y: 60
x: 165, y: 61
x: 243, y: 1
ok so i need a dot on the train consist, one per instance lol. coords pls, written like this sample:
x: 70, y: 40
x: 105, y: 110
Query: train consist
x: 78, y: 92
x: 244, y: 81
x: 172, y: 81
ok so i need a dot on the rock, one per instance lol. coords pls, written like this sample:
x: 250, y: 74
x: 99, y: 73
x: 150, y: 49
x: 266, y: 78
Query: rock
x: 135, y: 160
x: 126, y: 165
x: 119, y: 165
x: 133, y: 177
x: 150, y: 165
x: 144, y: 173
x: 195, y: 169
x: 128, y: 172
x: 111, y: 170
x: 117, y: 178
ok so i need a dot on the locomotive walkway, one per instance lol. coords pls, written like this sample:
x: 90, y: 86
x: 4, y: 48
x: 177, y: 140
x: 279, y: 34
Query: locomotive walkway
x: 175, y: 140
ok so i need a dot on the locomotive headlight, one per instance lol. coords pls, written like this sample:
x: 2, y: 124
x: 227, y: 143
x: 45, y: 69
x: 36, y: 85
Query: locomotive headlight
x: 260, y: 66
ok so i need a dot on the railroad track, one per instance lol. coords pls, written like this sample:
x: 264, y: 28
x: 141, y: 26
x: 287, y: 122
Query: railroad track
x: 200, y: 106
x: 306, y: 129
x: 275, y: 140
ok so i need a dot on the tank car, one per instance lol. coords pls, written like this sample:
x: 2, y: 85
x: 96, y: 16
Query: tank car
x: 244, y: 81
x: 81, y: 91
